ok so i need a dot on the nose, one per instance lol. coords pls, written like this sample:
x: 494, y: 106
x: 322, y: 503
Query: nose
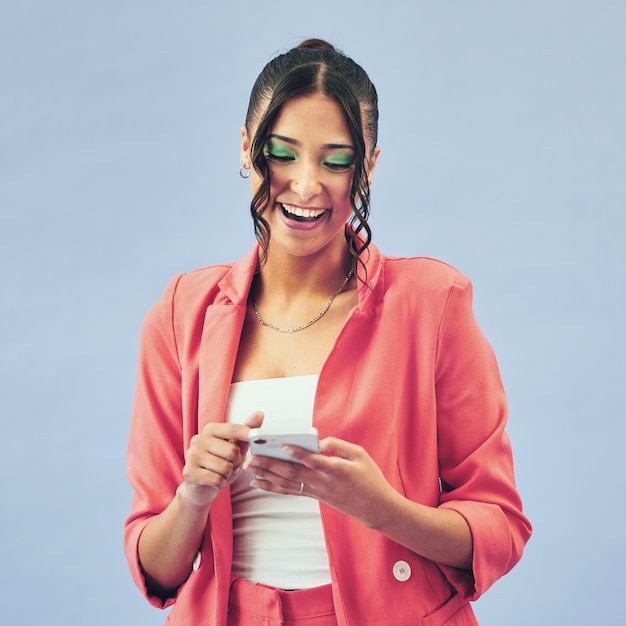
x: 306, y: 180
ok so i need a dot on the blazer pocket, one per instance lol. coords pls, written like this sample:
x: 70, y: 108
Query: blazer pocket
x: 454, y: 612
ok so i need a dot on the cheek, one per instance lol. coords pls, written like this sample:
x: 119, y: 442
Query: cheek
x: 255, y: 182
x: 276, y: 181
x: 340, y: 189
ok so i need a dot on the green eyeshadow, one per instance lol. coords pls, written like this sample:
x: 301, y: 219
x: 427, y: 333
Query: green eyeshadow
x: 276, y: 150
x: 339, y: 159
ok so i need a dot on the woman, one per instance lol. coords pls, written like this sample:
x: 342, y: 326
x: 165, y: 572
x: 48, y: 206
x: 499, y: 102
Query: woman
x: 409, y: 510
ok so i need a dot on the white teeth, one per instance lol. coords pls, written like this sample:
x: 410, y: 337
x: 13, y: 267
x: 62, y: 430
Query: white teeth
x: 296, y: 210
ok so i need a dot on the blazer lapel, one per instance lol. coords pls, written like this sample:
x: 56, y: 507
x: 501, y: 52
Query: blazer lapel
x: 223, y: 323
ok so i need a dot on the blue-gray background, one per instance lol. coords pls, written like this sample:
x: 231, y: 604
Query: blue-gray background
x: 502, y: 134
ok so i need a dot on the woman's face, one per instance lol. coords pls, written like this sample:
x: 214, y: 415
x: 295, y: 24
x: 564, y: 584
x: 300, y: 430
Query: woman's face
x: 310, y: 154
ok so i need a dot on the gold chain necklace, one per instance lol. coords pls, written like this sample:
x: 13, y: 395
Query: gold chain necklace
x: 303, y: 326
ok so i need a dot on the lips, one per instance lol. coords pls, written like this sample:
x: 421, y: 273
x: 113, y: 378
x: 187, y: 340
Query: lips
x: 301, y: 215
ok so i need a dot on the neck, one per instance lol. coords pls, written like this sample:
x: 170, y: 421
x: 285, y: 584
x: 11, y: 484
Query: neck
x: 294, y: 276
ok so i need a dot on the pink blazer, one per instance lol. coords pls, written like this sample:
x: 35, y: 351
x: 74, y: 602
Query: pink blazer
x: 411, y: 378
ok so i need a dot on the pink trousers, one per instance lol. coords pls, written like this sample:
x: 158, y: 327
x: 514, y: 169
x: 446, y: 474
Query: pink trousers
x: 260, y: 605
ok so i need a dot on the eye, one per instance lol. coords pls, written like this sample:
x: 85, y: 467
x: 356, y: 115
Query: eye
x: 339, y: 163
x: 279, y: 154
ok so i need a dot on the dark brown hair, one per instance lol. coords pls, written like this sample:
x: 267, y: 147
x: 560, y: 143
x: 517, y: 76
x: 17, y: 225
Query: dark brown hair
x: 315, y: 66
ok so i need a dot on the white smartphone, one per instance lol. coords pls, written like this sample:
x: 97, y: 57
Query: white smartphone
x: 270, y: 442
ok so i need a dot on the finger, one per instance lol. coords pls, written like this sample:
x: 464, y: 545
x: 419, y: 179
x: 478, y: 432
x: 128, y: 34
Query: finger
x: 218, y: 465
x: 277, y: 471
x: 309, y: 459
x: 332, y: 446
x: 211, y: 471
x: 223, y: 458
x: 255, y: 420
x: 229, y: 432
x: 273, y: 483
x: 201, y: 445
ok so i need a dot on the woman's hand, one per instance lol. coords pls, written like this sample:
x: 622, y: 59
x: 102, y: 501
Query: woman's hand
x: 214, y: 460
x: 170, y: 541
x: 345, y: 477
x: 342, y: 475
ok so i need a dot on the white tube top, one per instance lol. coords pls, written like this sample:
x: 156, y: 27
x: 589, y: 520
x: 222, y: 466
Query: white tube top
x: 278, y: 539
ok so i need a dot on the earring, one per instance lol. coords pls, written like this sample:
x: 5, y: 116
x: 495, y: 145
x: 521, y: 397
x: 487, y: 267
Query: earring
x: 244, y: 172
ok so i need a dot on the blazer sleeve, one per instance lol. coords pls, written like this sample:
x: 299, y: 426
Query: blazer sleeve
x: 476, y: 465
x: 155, y: 455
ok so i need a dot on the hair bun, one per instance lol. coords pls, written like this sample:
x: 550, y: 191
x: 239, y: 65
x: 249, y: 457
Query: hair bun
x: 315, y: 44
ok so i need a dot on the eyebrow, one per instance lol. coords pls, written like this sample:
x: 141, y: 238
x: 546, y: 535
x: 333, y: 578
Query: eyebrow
x: 326, y: 146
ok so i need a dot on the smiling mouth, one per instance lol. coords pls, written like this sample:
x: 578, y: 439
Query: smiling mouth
x: 302, y: 215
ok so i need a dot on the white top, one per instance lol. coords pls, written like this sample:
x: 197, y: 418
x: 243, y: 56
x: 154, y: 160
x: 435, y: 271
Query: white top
x: 278, y: 539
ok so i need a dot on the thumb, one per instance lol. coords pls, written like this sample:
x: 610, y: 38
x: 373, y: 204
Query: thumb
x: 255, y: 420
x: 252, y: 421
x: 331, y: 446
